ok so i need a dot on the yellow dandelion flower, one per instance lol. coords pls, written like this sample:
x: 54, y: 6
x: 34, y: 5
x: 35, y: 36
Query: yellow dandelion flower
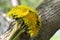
x: 29, y: 16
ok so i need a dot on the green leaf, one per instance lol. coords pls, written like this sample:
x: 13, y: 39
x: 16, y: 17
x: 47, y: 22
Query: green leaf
x: 32, y: 3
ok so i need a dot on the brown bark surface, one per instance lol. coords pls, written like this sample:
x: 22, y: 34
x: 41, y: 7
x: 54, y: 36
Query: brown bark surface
x: 50, y: 14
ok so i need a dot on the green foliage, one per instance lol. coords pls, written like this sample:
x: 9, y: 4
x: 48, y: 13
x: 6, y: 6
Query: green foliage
x: 5, y: 5
x: 32, y: 3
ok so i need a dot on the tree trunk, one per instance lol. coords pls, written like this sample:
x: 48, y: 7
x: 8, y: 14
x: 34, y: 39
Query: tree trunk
x: 50, y: 14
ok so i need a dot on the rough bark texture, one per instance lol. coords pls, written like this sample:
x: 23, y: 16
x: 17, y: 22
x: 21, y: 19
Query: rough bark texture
x: 50, y: 14
x: 49, y: 11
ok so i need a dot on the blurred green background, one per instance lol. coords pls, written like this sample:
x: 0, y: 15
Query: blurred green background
x: 5, y: 5
x: 56, y: 36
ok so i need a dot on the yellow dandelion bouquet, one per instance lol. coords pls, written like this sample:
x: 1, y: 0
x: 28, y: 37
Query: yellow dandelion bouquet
x: 29, y: 19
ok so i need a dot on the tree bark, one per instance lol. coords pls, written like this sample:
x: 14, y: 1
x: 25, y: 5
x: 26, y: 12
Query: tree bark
x: 50, y: 15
